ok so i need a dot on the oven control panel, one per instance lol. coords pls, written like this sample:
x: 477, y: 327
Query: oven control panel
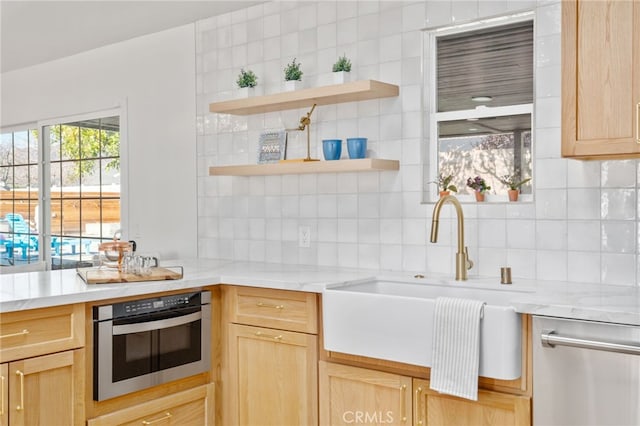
x: 164, y: 303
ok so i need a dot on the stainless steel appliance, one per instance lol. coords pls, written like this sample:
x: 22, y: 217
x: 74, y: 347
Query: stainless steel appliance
x: 585, y: 373
x: 143, y: 343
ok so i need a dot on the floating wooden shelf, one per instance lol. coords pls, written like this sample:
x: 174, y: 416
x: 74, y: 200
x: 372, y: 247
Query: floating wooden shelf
x: 338, y: 166
x: 325, y: 95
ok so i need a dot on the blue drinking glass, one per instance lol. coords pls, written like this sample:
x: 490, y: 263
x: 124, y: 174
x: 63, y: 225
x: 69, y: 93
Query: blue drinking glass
x: 357, y: 147
x: 332, y: 149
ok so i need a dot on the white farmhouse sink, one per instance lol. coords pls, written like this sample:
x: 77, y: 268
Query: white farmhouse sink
x: 393, y: 320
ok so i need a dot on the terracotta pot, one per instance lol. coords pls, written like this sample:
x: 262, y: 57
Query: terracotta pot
x: 479, y: 196
x: 444, y: 193
x: 513, y: 194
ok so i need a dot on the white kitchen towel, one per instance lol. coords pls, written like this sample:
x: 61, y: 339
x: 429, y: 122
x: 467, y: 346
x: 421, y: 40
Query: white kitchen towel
x: 456, y: 347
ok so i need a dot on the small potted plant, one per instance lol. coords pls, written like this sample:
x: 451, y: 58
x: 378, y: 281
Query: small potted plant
x: 479, y: 186
x: 293, y: 75
x: 341, y: 70
x: 514, y: 183
x: 444, y: 185
x: 247, y: 81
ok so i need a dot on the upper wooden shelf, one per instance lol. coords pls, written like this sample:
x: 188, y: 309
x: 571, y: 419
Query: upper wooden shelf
x: 361, y: 165
x: 325, y: 95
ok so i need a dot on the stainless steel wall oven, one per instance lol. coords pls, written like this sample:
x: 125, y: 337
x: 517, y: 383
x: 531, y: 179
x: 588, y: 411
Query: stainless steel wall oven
x: 142, y: 343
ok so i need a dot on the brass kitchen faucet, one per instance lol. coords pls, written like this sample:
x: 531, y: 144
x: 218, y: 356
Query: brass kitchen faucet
x: 462, y: 256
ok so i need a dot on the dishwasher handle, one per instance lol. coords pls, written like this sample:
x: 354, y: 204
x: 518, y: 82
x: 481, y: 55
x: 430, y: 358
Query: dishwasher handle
x: 550, y: 339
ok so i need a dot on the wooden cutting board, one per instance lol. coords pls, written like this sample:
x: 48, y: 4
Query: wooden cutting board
x: 112, y: 276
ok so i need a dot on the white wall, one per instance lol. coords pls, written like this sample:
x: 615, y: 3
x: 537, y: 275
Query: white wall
x: 582, y: 226
x: 155, y: 76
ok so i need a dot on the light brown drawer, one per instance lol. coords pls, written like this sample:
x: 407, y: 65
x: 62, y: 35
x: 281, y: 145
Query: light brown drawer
x: 191, y: 407
x: 282, y: 309
x: 34, y: 332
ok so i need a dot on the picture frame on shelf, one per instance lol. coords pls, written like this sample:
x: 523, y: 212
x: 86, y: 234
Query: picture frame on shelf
x: 272, y: 146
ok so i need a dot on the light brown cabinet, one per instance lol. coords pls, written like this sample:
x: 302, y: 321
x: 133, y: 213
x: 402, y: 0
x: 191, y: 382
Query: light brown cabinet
x: 193, y: 407
x: 601, y: 79
x: 491, y: 408
x: 271, y: 357
x: 351, y: 395
x: 44, y: 390
x: 42, y: 371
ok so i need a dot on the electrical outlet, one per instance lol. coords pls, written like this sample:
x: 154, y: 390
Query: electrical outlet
x: 304, y: 236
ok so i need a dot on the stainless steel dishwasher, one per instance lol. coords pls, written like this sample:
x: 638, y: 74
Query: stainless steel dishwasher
x: 585, y: 373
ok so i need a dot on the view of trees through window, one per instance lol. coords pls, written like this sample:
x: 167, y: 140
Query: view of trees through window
x: 82, y: 185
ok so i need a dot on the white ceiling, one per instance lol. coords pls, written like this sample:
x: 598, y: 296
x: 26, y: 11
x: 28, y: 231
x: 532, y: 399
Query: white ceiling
x: 32, y: 32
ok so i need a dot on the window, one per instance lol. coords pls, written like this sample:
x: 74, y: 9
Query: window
x: 81, y: 185
x: 19, y: 180
x: 481, y: 81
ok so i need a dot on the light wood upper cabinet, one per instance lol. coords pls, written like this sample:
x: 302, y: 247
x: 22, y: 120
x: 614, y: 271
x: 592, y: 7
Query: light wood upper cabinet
x: 45, y: 390
x: 601, y: 79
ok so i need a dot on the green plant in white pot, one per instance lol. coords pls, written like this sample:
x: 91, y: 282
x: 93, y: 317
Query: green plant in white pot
x: 247, y: 83
x: 293, y: 75
x: 342, y: 70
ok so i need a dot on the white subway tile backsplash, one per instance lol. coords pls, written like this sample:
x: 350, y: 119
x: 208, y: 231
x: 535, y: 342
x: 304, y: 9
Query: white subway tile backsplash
x: 492, y: 7
x: 551, y: 265
x: 522, y: 264
x: 492, y: 233
x: 391, y: 21
x: 618, y: 173
x: 347, y: 255
x: 437, y: 13
x: 547, y: 50
x: 618, y: 204
x: 583, y: 203
x: 521, y: 234
x: 413, y: 257
x: 551, y: 204
x: 551, y: 235
x: 580, y: 224
x: 489, y: 262
x: 583, y: 235
x: 618, y: 237
x: 618, y: 269
x: 464, y: 10
x: 583, y: 266
x: 391, y: 257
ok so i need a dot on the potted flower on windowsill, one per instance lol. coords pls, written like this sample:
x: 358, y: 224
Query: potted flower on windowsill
x: 247, y: 82
x: 293, y: 76
x: 514, y: 183
x: 444, y: 185
x: 342, y: 70
x: 479, y: 187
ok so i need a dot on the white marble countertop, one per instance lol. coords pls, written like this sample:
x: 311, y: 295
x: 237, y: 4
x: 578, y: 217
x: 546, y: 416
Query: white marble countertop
x: 617, y: 304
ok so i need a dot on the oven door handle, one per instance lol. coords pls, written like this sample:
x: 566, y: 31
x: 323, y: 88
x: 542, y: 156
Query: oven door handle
x: 155, y: 325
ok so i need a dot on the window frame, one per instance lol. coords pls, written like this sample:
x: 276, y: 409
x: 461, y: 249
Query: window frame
x: 44, y: 170
x: 430, y: 92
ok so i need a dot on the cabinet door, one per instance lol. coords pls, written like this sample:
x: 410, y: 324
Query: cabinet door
x: 47, y: 390
x: 193, y: 407
x: 4, y: 394
x: 600, y: 78
x: 353, y: 395
x: 491, y: 408
x: 274, y: 377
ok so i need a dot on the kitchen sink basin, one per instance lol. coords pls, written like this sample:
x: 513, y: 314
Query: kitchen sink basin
x: 392, y: 320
